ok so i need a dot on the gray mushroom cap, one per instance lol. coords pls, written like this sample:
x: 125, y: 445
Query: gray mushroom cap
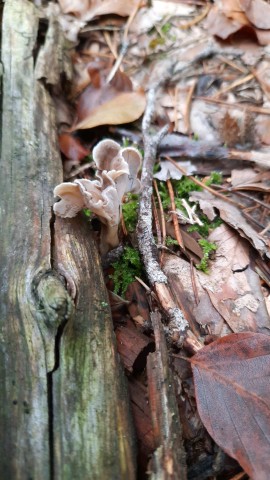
x: 117, y: 174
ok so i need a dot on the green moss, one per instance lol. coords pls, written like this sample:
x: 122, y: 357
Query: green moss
x: 156, y: 42
x: 207, y: 226
x: 171, y: 241
x: 215, y: 177
x: 126, y: 142
x: 184, y: 186
x: 126, y: 269
x: 87, y: 212
x: 207, y: 248
x: 87, y: 159
x: 182, y: 189
x: 166, y: 28
x: 130, y: 211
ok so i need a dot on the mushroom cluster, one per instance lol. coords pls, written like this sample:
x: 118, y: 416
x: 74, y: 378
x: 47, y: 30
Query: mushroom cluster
x: 117, y: 170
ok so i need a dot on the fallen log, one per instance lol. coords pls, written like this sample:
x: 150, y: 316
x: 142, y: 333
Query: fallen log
x: 64, y: 411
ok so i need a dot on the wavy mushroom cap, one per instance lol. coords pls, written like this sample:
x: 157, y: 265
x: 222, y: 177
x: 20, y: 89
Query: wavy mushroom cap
x: 134, y: 160
x: 104, y: 203
x: 118, y: 168
x: 107, y: 156
x: 71, y: 201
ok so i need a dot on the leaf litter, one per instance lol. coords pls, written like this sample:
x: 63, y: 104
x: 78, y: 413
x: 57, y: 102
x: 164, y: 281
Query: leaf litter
x: 209, y: 64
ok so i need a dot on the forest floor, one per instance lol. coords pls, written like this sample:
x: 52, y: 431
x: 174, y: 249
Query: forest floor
x: 185, y: 85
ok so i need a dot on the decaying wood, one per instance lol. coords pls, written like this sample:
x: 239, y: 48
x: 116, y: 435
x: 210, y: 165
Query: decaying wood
x: 63, y: 409
x: 133, y: 347
x: 142, y: 421
x: 168, y: 461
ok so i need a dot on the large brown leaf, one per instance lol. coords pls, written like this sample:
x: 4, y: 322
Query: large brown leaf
x: 124, y: 108
x: 111, y: 103
x: 232, y: 384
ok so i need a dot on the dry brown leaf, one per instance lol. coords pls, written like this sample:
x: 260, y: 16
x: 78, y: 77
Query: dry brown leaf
x: 263, y: 76
x: 227, y: 18
x: 233, y: 286
x: 231, y: 378
x: 124, y: 108
x: 230, y: 298
x: 219, y: 24
x: 100, y: 92
x: 77, y: 7
x: 87, y: 9
x: 248, y: 179
x: 118, y: 7
x: 103, y: 103
x: 257, y: 12
x: 233, y: 217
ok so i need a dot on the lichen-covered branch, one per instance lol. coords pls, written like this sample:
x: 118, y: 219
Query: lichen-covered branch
x: 147, y: 246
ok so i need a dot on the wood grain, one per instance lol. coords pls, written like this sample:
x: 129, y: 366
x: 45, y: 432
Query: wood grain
x: 63, y: 407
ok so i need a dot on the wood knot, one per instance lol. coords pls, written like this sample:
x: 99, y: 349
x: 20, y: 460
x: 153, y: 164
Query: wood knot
x: 53, y: 301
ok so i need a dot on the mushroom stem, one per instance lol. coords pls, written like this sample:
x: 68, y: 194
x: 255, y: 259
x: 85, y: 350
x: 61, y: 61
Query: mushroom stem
x: 108, y: 238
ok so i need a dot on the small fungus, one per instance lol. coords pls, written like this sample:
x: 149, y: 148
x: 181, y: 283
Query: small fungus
x: 117, y: 170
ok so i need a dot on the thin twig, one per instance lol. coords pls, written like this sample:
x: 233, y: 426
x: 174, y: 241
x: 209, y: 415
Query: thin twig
x: 205, y: 187
x: 265, y: 230
x: 174, y: 216
x: 241, y: 106
x: 125, y: 43
x: 236, y: 83
x: 162, y: 216
x: 155, y: 213
x: 196, y: 20
x: 123, y: 225
x: 188, y: 107
x: 111, y: 46
x: 193, y: 282
x: 233, y: 65
x: 77, y: 171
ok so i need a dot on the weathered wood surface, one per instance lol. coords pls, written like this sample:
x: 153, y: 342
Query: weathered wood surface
x: 63, y: 406
x: 169, y: 459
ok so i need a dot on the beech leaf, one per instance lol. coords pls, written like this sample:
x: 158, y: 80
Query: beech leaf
x: 123, y: 108
x: 232, y: 385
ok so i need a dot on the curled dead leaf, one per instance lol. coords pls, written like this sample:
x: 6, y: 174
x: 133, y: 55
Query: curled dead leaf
x: 123, y: 108
x: 233, y: 217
